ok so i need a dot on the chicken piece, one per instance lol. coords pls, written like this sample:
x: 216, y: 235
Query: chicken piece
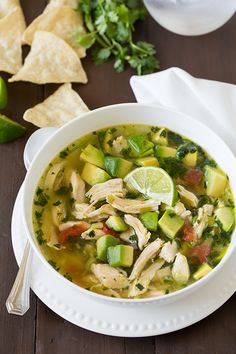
x: 189, y: 197
x: 140, y: 230
x: 70, y: 224
x: 58, y: 213
x: 81, y: 210
x: 118, y: 145
x: 202, y: 218
x: 180, y: 210
x: 153, y: 293
x: 168, y: 251
x: 54, y: 176
x: 162, y: 273
x: 149, y: 252
x: 125, y: 236
x: 101, y: 190
x: 140, y: 285
x: 110, y: 277
x: 94, y: 232
x: 180, y: 270
x: 133, y: 206
x: 102, y: 213
x: 78, y: 187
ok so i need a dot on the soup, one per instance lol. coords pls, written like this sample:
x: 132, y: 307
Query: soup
x: 133, y: 211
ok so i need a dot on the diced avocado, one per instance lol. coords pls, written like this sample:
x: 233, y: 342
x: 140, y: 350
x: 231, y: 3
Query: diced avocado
x: 116, y: 223
x: 203, y: 270
x: 215, y: 181
x: 93, y: 174
x: 150, y: 220
x: 190, y: 159
x: 170, y: 223
x: 93, y: 155
x: 117, y: 167
x: 10, y: 130
x: 160, y: 137
x: 164, y: 151
x: 147, y: 161
x: 225, y: 215
x: 120, y: 256
x: 140, y: 146
x: 103, y: 243
x: 107, y: 142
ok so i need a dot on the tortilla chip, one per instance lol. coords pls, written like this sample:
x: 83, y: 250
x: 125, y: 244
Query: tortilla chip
x: 62, y: 106
x: 8, y: 6
x: 51, y: 60
x: 62, y: 21
x: 71, y: 3
x: 11, y: 28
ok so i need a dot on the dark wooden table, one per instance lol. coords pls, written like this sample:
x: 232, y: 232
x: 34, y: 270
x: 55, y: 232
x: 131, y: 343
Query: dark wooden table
x: 41, y: 331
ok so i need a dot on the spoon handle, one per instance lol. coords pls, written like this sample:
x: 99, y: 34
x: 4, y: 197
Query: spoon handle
x: 18, y: 301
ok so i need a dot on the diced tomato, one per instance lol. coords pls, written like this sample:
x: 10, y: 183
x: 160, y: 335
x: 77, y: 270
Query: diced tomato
x: 108, y: 231
x: 73, y: 231
x: 189, y: 234
x: 199, y: 253
x: 193, y: 176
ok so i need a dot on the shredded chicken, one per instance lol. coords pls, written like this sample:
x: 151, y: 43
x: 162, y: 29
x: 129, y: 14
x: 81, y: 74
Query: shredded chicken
x: 154, y: 293
x: 94, y: 232
x: 188, y: 196
x: 162, y: 273
x: 58, y: 213
x: 168, y: 251
x: 140, y: 230
x: 102, y: 213
x: 78, y: 187
x: 180, y: 210
x: 149, y: 252
x: 202, y: 218
x: 180, y: 270
x: 133, y: 206
x: 81, y: 210
x: 69, y: 224
x: 101, y: 190
x: 54, y: 176
x: 125, y: 236
x: 110, y: 277
x: 140, y: 285
x: 118, y: 145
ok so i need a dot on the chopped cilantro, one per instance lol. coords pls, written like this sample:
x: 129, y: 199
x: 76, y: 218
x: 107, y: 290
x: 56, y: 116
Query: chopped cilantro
x: 63, y: 154
x: 53, y: 264
x: 63, y: 190
x: 139, y: 286
x: 172, y: 166
x: 39, y: 237
x: 58, y: 202
x: 174, y: 138
x: 67, y: 276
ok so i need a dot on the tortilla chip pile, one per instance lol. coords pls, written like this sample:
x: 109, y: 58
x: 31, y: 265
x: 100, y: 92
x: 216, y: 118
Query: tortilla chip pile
x: 54, y: 57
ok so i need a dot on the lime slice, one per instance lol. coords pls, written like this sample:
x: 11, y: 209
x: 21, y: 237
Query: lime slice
x: 9, y: 130
x: 154, y: 183
x: 3, y: 93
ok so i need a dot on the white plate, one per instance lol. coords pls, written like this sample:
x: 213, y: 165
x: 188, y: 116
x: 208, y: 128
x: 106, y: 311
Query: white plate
x: 133, y: 321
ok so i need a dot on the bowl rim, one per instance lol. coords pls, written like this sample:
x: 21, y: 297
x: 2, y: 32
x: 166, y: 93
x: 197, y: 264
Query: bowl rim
x: 181, y: 292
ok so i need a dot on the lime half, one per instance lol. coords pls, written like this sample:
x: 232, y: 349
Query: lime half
x: 154, y: 183
x: 9, y: 130
x: 3, y: 93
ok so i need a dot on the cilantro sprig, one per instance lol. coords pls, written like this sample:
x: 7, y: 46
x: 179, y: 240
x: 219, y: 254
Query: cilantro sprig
x: 110, y: 25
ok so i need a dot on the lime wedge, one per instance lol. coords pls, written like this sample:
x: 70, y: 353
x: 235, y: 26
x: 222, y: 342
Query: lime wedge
x: 9, y: 130
x: 3, y: 93
x: 154, y: 183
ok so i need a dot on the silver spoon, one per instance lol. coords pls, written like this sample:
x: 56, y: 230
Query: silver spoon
x: 18, y: 301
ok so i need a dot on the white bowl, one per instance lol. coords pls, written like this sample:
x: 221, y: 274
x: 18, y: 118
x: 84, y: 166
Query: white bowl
x: 131, y: 113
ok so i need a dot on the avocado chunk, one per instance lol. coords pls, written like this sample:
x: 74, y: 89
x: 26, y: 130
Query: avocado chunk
x: 164, y: 151
x: 140, y: 146
x: 116, y: 223
x: 93, y: 155
x: 107, y: 142
x: 149, y: 220
x: 170, y: 223
x: 120, y: 256
x: 93, y: 174
x: 160, y: 137
x: 215, y: 181
x: 190, y: 159
x: 103, y: 243
x: 225, y: 215
x: 147, y: 161
x: 10, y: 130
x: 117, y: 167
x: 203, y: 270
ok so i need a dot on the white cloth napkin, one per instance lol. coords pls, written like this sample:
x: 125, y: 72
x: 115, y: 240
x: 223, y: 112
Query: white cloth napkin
x: 212, y: 102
